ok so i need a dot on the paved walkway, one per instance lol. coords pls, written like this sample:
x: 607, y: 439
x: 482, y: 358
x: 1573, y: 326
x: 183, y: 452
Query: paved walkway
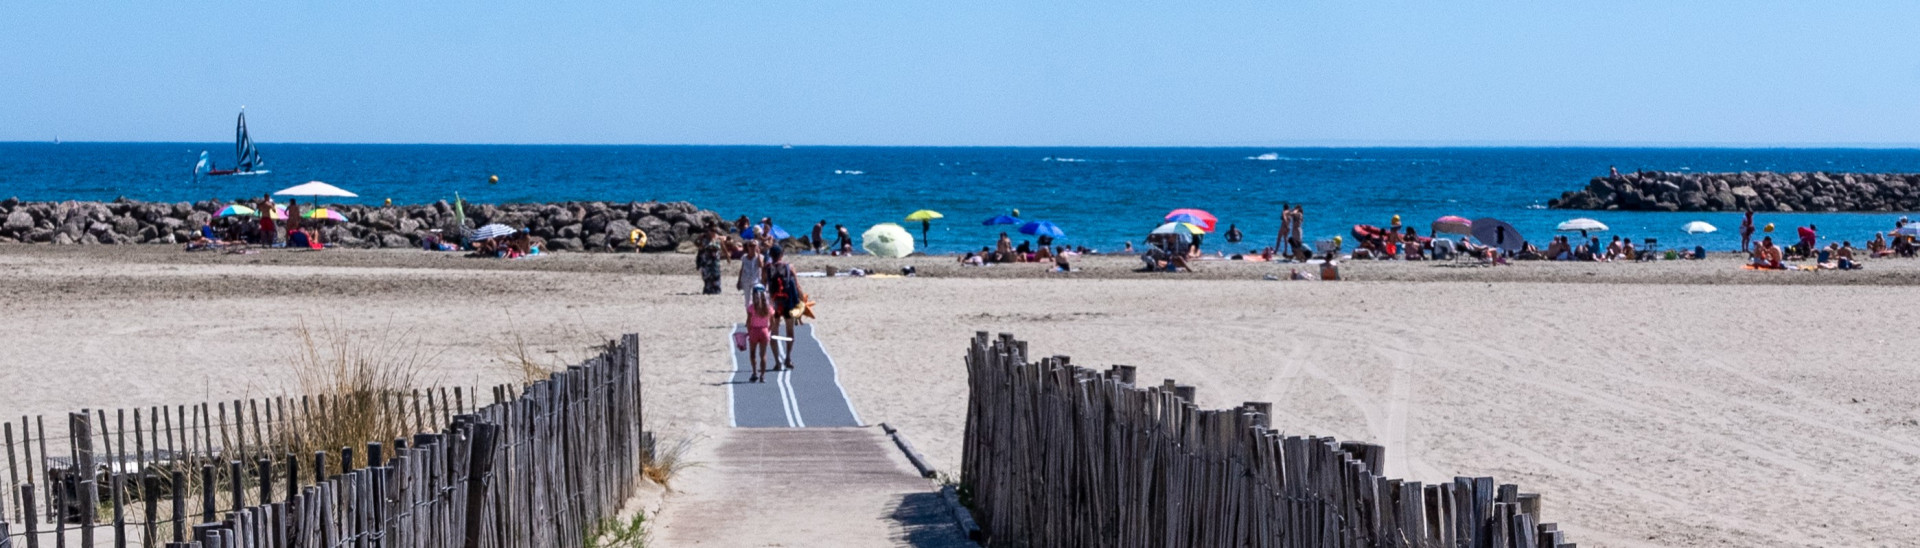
x: 803, y: 487
x: 809, y: 395
x: 799, y: 470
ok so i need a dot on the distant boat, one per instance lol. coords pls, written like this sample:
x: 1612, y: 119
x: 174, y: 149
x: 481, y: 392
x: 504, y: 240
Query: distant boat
x: 246, y: 157
x: 788, y: 147
x: 1270, y: 156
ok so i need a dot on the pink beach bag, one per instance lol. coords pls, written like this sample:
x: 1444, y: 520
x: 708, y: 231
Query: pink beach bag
x: 740, y: 340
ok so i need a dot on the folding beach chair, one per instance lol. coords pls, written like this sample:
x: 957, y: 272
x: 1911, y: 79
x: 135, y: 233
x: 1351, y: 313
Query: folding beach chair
x: 1649, y: 253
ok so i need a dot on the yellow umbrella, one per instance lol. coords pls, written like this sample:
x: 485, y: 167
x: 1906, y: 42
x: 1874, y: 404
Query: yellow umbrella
x: 926, y: 217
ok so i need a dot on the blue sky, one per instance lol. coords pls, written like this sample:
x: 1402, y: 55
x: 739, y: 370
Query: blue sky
x: 967, y: 73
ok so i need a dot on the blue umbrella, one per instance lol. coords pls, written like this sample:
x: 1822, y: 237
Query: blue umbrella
x: 1002, y: 220
x: 1042, y: 228
x: 778, y: 233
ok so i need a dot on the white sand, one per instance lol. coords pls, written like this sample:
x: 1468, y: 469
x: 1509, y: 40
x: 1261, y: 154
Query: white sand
x: 1647, y: 414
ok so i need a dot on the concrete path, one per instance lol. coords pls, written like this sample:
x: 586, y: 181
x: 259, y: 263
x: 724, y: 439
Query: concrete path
x: 803, y: 487
x: 809, y: 395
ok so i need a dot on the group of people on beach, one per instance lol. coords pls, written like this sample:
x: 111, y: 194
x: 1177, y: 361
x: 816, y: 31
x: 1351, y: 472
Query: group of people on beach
x: 1005, y: 251
x: 265, y: 230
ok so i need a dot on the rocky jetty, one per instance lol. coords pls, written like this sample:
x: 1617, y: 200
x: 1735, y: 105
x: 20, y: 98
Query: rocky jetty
x: 568, y: 226
x: 1760, y: 191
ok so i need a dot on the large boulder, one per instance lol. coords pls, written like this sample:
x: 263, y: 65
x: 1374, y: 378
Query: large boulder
x: 395, y: 241
x: 18, y: 220
x: 565, y: 244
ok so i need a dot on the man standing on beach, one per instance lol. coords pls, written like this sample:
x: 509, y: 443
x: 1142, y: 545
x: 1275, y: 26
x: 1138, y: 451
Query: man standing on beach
x: 1280, y: 240
x: 1746, y: 231
x: 817, y: 241
x: 1296, y: 237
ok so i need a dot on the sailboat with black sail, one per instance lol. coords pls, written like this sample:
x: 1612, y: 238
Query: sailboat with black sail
x: 246, y: 156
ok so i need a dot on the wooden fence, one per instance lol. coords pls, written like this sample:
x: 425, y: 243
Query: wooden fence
x: 541, y: 468
x: 1059, y: 455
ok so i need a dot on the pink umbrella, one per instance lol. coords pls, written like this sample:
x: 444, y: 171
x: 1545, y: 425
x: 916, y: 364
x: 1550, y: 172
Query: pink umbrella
x: 1206, y: 219
x: 1453, y: 225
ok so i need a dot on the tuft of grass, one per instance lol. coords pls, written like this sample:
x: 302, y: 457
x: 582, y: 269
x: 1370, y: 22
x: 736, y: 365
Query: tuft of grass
x: 362, y: 378
x: 615, y: 533
x: 526, y: 365
x: 661, y: 465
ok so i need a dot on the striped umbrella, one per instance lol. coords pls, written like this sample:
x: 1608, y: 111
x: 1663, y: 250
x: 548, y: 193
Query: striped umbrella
x: 237, y: 210
x: 492, y: 231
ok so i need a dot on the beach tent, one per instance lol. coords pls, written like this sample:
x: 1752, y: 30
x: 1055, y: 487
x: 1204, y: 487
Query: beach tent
x: 1497, y: 233
x: 1453, y: 225
x: 887, y: 240
x: 1581, y: 224
x: 316, y: 188
x: 1698, y: 227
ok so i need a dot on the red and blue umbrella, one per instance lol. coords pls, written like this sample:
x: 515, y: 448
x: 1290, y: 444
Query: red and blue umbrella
x: 1207, y: 219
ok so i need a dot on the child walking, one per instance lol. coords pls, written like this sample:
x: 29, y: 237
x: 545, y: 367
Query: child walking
x: 759, y: 331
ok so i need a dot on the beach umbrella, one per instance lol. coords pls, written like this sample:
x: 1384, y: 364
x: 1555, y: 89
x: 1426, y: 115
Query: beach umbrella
x: 1189, y: 218
x: 1698, y: 227
x: 236, y: 209
x: 887, y: 240
x: 1497, y: 233
x: 279, y: 212
x: 1909, y: 230
x: 1581, y: 224
x: 492, y: 231
x: 316, y: 188
x: 324, y: 214
x: 926, y: 217
x: 1208, y: 219
x: 777, y: 232
x: 1453, y: 225
x: 1001, y: 220
x: 1179, y: 228
x: 1042, y: 228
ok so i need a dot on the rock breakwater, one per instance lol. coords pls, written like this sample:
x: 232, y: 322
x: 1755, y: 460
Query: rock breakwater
x: 1760, y: 191
x: 569, y: 226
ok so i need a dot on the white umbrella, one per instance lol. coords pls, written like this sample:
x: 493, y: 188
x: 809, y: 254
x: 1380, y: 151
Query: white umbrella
x: 1698, y: 227
x: 887, y: 240
x: 1576, y: 225
x: 492, y: 231
x: 316, y: 188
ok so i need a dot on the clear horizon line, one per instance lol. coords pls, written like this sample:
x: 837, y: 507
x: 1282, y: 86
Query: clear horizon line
x: 1294, y: 145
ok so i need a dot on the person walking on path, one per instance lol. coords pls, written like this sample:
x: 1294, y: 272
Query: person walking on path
x: 784, y: 289
x: 1746, y: 232
x: 759, y: 331
x: 751, y: 268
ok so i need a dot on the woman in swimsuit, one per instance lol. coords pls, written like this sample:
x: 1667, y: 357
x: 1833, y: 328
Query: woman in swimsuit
x: 759, y: 332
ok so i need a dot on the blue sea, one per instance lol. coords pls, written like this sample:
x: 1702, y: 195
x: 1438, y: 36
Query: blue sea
x: 1101, y: 197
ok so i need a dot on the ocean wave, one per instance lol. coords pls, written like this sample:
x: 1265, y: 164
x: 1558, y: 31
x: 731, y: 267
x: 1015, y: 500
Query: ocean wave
x: 1053, y: 159
x: 1268, y: 157
x: 848, y: 172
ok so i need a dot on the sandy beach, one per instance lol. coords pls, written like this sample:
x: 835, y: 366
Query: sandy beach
x: 1667, y: 404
